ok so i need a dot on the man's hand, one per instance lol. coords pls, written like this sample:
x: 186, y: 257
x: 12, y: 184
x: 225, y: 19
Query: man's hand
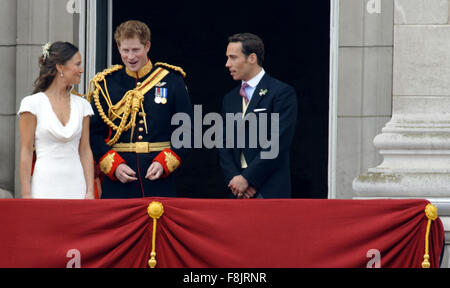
x: 155, y: 171
x: 249, y: 193
x: 125, y: 174
x: 238, y: 185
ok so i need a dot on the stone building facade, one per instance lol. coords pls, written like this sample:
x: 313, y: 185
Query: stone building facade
x: 414, y: 144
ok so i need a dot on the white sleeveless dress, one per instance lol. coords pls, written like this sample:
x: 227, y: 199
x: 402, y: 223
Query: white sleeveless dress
x: 58, y: 173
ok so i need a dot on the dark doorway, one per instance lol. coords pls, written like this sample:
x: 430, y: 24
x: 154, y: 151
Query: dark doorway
x: 194, y: 36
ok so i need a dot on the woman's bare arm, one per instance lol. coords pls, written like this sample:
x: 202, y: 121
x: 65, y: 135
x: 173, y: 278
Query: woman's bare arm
x: 87, y: 160
x: 27, y: 127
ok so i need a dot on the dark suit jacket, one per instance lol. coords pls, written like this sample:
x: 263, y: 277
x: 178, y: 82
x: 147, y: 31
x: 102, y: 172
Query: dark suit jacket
x: 270, y: 177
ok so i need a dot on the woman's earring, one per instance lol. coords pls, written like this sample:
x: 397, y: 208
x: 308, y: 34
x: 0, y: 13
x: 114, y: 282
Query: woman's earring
x: 62, y: 75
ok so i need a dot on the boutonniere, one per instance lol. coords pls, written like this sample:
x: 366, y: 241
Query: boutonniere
x: 263, y: 92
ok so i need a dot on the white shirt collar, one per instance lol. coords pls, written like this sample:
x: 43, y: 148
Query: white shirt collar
x: 255, y: 80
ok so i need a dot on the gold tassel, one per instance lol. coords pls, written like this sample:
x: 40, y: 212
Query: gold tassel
x: 155, y: 210
x: 431, y: 212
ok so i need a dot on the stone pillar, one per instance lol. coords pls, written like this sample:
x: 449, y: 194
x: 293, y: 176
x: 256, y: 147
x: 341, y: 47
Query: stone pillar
x: 364, y: 86
x: 8, y: 16
x: 415, y: 143
x: 5, y: 194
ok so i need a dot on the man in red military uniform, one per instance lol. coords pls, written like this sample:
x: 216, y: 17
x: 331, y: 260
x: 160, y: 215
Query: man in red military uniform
x: 131, y: 129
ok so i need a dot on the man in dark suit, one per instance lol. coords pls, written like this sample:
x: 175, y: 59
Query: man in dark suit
x: 248, y: 173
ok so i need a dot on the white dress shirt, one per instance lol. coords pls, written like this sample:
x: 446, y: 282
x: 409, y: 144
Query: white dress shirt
x: 249, y: 90
x: 252, y: 83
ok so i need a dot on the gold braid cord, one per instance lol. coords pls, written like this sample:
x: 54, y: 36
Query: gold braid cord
x: 171, y: 67
x: 432, y: 214
x: 155, y: 210
x: 130, y: 103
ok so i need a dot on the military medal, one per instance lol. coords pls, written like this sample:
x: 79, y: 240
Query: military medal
x: 164, y: 97
x: 161, y: 95
x: 158, y: 94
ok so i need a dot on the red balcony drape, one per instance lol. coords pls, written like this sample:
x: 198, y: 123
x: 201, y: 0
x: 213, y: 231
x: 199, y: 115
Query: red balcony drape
x: 218, y: 233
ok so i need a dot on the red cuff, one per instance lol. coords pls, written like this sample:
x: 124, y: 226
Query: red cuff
x: 168, y: 160
x: 109, y: 162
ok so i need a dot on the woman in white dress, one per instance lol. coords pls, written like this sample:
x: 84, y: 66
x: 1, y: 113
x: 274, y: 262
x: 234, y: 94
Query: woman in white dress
x: 56, y: 123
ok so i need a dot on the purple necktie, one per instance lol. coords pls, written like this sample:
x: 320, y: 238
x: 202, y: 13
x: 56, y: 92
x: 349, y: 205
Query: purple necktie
x: 242, y: 92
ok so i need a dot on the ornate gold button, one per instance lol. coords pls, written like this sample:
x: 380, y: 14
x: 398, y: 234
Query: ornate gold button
x: 141, y: 129
x: 140, y: 138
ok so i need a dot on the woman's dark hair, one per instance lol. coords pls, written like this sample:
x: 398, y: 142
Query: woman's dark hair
x: 58, y: 53
x: 251, y: 43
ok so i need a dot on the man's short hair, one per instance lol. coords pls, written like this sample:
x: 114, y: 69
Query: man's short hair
x: 251, y: 43
x: 132, y: 29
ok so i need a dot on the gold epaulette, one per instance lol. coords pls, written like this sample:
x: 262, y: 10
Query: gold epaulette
x: 172, y: 67
x: 99, y: 77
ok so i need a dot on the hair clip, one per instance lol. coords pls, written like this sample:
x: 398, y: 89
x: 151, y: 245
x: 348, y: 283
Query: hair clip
x: 46, y: 50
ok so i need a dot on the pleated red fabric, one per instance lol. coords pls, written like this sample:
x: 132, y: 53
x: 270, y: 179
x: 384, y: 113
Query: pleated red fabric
x: 207, y: 233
